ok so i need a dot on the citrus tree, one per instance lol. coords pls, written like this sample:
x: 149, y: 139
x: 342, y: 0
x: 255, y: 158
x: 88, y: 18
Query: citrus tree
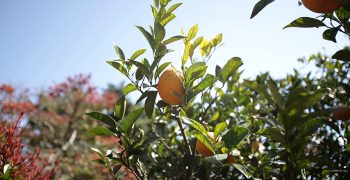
x: 218, y: 126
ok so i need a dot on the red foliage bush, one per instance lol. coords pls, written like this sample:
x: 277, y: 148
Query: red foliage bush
x: 24, y: 165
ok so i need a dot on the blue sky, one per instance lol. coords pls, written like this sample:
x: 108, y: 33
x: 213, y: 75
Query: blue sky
x: 43, y: 42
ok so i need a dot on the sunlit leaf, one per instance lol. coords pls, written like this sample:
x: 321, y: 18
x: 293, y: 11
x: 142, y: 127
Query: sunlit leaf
x: 192, y: 32
x: 119, y: 52
x: 230, y: 67
x: 129, y: 88
x: 130, y: 119
x: 137, y: 54
x: 173, y: 39
x: 195, y: 71
x: 219, y: 128
x: 306, y: 22
x: 118, y: 66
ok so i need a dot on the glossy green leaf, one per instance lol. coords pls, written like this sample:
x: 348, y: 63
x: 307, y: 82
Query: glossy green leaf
x: 98, y: 131
x: 195, y: 124
x: 159, y: 32
x: 106, y: 119
x: 217, y: 40
x: 142, y: 68
x: 161, y: 68
x: 148, y: 36
x: 129, y: 88
x: 119, y: 52
x: 166, y: 19
x: 173, y: 39
x: 118, y: 66
x: 230, y: 67
x: 305, y: 22
x: 207, y: 81
x: 243, y: 170
x: 195, y: 71
x: 130, y: 119
x: 137, y: 54
x: 219, y: 128
x: 234, y: 136
x: 260, y: 6
x: 197, y: 42
x: 216, y: 159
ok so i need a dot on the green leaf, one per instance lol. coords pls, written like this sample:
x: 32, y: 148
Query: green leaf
x: 143, y: 96
x: 148, y: 36
x: 305, y: 22
x: 159, y: 32
x: 192, y: 32
x: 342, y: 55
x: 217, y: 40
x: 230, y: 68
x: 119, y: 67
x: 173, y: 39
x: 166, y: 19
x: 186, y: 53
x: 197, y: 42
x: 259, y: 6
x: 275, y: 94
x: 120, y: 107
x: 149, y: 103
x: 195, y: 124
x: 98, y: 131
x: 143, y: 68
x: 137, y: 54
x: 130, y: 119
x: 108, y: 120
x: 274, y: 134
x: 310, y: 126
x: 207, y: 81
x: 204, y: 139
x: 195, y: 71
x: 217, y: 158
x: 234, y: 136
x: 219, y: 128
x: 243, y: 170
x: 173, y: 7
x: 119, y: 52
x: 161, y: 68
x: 300, y: 98
x: 330, y: 34
x: 129, y: 88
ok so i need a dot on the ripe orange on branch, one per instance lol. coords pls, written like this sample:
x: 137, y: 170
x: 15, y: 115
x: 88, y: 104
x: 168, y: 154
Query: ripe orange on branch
x: 170, y: 86
x: 322, y: 6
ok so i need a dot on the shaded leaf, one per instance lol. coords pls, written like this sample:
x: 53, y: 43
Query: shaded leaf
x: 98, y: 131
x: 161, y: 68
x: 120, y: 107
x: 119, y: 52
x: 149, y: 103
x: 148, y: 36
x: 119, y: 67
x: 260, y: 6
x: 342, y: 55
x: 330, y: 34
x: 159, y: 32
x: 106, y: 119
x: 274, y: 134
x: 234, y: 136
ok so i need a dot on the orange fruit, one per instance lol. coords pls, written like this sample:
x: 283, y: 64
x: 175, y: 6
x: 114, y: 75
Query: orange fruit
x: 230, y: 159
x: 342, y: 113
x: 202, y: 149
x: 170, y: 86
x: 322, y: 6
